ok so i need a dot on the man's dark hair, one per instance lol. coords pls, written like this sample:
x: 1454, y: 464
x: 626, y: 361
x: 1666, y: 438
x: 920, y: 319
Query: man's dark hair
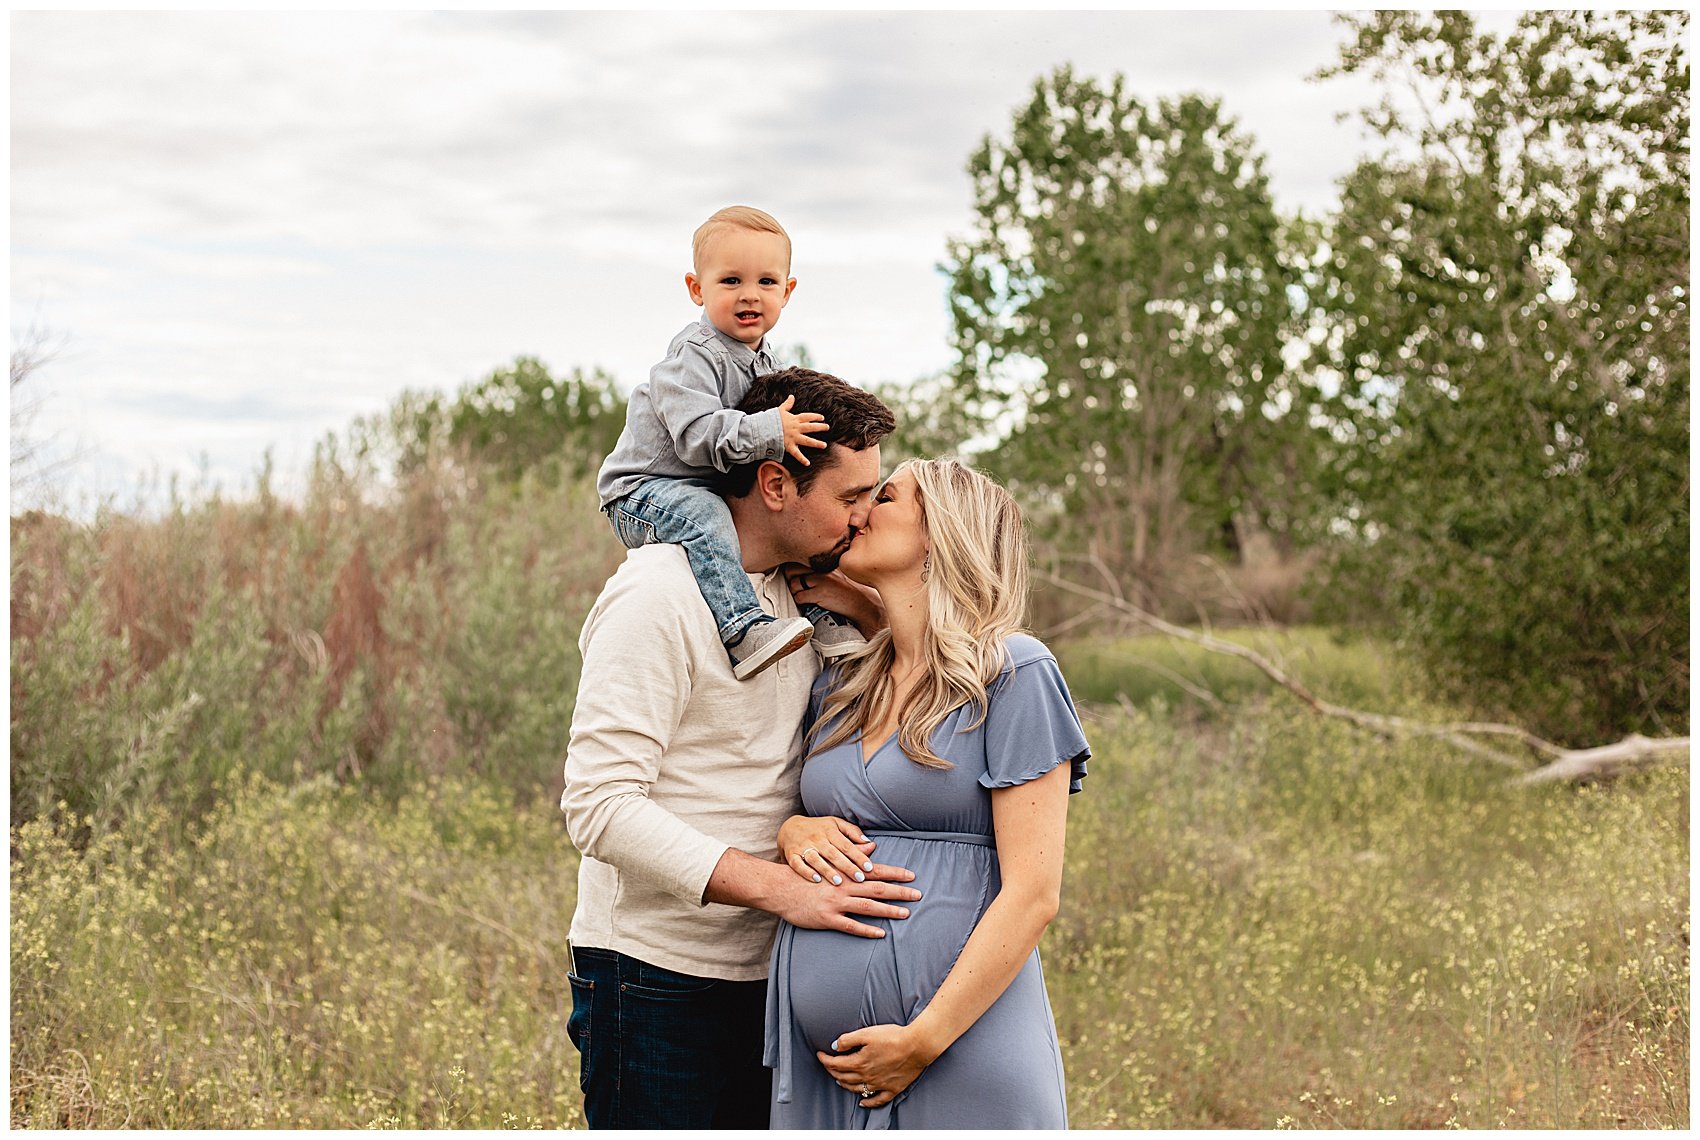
x: 856, y: 419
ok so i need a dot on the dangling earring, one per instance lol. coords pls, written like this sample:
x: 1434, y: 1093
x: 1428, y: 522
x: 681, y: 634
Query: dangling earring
x: 926, y: 566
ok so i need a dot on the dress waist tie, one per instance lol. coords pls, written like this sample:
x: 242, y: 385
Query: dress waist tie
x: 973, y: 837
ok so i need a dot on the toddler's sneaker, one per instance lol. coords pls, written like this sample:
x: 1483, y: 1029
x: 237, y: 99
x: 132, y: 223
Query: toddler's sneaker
x: 767, y: 642
x: 836, y: 638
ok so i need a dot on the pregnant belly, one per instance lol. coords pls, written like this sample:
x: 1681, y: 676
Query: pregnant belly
x: 828, y: 983
x: 839, y: 982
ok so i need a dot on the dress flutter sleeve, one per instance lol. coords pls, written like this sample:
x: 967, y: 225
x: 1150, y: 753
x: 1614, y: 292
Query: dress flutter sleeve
x: 1031, y: 724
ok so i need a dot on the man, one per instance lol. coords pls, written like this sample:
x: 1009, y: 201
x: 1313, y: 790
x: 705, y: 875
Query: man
x: 678, y: 776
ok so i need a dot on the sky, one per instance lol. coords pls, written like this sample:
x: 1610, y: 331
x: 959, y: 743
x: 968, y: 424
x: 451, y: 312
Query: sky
x: 235, y: 232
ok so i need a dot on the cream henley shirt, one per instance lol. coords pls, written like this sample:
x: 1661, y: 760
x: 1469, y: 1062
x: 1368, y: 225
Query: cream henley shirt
x: 671, y: 761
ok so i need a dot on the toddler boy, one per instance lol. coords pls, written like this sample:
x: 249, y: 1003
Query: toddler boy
x: 682, y: 427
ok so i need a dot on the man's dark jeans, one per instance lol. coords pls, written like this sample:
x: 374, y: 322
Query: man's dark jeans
x: 660, y: 1049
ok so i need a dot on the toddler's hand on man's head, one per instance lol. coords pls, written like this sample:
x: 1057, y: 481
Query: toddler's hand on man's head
x: 797, y: 429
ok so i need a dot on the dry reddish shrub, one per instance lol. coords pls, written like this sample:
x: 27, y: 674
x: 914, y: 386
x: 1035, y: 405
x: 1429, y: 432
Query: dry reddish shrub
x: 41, y: 573
x: 354, y: 636
x: 154, y: 581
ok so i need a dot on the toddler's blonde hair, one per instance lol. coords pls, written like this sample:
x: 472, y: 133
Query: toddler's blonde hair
x: 736, y: 218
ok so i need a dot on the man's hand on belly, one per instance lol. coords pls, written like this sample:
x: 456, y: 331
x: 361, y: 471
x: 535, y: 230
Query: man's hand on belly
x: 741, y: 879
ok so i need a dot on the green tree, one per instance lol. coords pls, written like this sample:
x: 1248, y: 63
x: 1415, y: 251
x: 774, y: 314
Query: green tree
x: 931, y: 419
x: 1507, y: 315
x: 521, y: 415
x: 1119, y: 314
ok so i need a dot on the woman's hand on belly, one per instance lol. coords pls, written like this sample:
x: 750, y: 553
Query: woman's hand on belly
x: 879, y: 1061
x: 817, y: 846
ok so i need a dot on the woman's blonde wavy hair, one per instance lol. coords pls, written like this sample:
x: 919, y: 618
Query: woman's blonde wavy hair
x: 976, y: 597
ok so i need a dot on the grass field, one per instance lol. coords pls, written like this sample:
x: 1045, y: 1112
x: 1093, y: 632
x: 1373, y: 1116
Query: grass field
x: 1269, y: 921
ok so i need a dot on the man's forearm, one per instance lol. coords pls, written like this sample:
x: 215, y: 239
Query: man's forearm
x: 740, y: 879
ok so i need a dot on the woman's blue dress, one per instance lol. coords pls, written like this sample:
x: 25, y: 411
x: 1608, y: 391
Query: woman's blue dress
x: 1006, y: 1070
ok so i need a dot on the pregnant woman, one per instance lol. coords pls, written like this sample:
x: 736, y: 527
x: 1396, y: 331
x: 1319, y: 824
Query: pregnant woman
x: 952, y: 744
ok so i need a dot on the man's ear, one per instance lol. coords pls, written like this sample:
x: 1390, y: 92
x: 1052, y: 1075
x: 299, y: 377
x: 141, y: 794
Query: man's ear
x: 773, y: 484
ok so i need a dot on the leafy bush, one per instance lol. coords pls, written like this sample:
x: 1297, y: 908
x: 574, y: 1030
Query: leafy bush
x: 379, y: 636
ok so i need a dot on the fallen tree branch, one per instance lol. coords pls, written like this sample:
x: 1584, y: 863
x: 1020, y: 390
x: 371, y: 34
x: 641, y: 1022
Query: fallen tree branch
x: 1198, y: 692
x: 1562, y: 763
x: 1632, y: 751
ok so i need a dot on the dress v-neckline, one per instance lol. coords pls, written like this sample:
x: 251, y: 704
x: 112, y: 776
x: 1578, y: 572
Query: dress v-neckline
x: 868, y: 757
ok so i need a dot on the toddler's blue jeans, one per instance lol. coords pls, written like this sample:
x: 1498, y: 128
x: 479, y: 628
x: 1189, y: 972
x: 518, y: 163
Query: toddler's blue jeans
x: 690, y: 513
